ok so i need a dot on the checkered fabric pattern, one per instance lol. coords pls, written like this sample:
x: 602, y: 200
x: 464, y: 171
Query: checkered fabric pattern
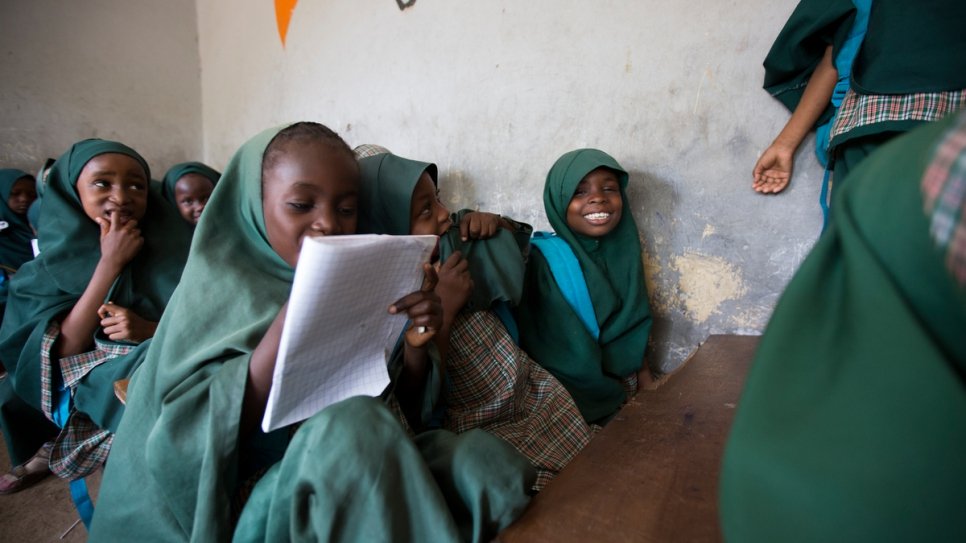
x: 81, y: 447
x: 493, y: 385
x: 944, y: 195
x: 858, y: 110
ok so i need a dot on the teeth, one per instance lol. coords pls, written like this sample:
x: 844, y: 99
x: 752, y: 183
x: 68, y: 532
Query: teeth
x: 596, y: 216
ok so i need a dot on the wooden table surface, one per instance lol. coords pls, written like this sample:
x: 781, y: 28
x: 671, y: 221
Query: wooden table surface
x: 652, y: 474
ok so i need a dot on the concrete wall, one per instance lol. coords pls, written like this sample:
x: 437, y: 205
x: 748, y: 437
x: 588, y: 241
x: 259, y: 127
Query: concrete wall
x: 495, y: 91
x: 125, y: 70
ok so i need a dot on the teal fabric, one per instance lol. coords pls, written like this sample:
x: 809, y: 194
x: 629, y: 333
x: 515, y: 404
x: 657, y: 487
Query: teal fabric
x: 25, y: 428
x: 569, y: 277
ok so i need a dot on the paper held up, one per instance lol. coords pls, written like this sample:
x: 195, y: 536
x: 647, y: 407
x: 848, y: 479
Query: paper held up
x: 338, y: 332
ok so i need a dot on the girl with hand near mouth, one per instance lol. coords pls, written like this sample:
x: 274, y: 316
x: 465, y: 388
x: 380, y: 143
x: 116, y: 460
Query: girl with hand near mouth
x: 80, y: 314
x: 584, y: 314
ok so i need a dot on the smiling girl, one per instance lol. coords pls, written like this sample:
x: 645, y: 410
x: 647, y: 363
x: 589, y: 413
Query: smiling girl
x: 584, y: 315
x: 80, y: 314
x: 188, y: 186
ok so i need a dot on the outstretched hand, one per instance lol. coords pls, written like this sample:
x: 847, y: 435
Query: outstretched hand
x: 423, y: 308
x: 773, y: 170
x: 120, y: 323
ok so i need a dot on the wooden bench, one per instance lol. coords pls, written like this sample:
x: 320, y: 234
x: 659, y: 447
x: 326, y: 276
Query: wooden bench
x: 652, y: 473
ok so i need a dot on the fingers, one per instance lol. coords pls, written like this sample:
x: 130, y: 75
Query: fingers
x: 465, y: 226
x: 104, y: 225
x: 430, y: 278
x: 452, y: 261
x: 105, y: 310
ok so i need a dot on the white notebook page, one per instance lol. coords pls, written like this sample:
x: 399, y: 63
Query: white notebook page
x: 338, y: 332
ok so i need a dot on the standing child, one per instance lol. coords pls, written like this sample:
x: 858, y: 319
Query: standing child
x: 584, y: 314
x: 490, y: 383
x: 188, y: 186
x: 350, y: 472
x: 79, y: 315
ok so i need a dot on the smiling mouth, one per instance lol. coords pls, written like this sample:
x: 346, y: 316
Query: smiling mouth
x: 123, y: 214
x: 597, y: 218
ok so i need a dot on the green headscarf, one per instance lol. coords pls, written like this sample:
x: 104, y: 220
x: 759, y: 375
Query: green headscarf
x: 180, y: 437
x: 47, y: 287
x: 549, y: 328
x: 180, y: 170
x: 496, y: 264
x: 852, y: 424
x: 15, y: 239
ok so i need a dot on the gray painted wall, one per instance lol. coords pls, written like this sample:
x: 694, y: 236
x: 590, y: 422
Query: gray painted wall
x: 492, y: 91
x: 495, y: 91
x: 125, y: 70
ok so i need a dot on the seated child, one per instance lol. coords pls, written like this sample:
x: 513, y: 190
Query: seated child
x: 25, y: 430
x: 350, y: 472
x: 188, y: 186
x: 490, y: 383
x: 17, y: 192
x: 79, y: 315
x: 584, y: 315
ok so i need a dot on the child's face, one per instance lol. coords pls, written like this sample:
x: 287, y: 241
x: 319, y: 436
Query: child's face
x: 191, y: 192
x: 312, y: 190
x: 595, y: 208
x: 23, y: 193
x: 113, y: 183
x: 427, y: 215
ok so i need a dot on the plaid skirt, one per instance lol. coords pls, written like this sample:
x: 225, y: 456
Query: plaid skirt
x: 493, y: 385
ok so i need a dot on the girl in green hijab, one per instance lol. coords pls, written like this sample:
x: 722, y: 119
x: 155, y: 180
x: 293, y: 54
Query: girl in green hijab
x: 584, y: 315
x: 17, y: 192
x: 79, y: 316
x: 852, y: 424
x: 190, y: 435
x: 490, y: 383
x: 187, y: 186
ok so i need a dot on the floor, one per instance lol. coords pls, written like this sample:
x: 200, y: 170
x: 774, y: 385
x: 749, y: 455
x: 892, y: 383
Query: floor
x: 43, y: 512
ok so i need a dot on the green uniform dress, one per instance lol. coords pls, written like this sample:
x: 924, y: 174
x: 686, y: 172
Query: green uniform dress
x: 852, y: 423
x: 46, y: 288
x: 551, y: 331
x: 349, y: 473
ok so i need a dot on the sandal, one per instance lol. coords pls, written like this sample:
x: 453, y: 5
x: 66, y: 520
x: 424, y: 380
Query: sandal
x: 29, y: 473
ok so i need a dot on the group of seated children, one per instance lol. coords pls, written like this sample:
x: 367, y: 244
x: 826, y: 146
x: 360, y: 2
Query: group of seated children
x: 515, y: 354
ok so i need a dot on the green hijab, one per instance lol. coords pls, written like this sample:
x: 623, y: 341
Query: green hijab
x: 550, y: 330
x: 47, y: 287
x: 180, y: 170
x: 179, y: 439
x: 15, y: 239
x: 852, y: 424
x: 496, y: 264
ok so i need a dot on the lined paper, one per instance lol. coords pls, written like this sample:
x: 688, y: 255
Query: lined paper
x: 338, y: 333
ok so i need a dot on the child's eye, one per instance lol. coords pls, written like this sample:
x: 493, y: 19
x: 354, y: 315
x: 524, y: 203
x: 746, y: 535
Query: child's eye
x: 300, y: 206
x: 100, y: 183
x: 347, y: 211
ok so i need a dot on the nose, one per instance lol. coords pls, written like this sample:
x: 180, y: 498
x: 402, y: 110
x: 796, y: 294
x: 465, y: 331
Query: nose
x: 596, y: 196
x: 119, y: 196
x: 326, y: 224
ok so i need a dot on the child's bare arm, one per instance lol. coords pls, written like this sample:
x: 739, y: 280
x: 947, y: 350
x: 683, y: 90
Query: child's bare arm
x: 426, y: 313
x: 260, y: 371
x: 119, y: 244
x: 773, y: 170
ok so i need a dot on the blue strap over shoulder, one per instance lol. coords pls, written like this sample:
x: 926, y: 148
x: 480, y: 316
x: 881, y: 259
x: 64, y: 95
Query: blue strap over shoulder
x: 569, y: 277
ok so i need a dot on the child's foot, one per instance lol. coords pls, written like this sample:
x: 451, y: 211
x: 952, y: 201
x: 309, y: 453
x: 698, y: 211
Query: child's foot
x: 29, y: 473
